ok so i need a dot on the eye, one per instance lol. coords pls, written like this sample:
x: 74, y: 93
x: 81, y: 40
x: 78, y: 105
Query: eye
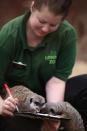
x: 37, y: 103
x: 53, y: 25
x: 52, y: 111
x: 31, y: 100
x: 42, y: 21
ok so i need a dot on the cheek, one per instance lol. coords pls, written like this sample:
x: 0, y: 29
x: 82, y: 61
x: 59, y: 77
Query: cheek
x: 53, y: 29
x: 36, y: 24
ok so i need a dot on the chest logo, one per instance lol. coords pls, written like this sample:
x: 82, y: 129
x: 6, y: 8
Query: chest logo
x: 51, y: 58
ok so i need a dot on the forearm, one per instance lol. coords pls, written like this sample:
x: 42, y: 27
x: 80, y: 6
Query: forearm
x: 55, y: 90
x: 1, y: 101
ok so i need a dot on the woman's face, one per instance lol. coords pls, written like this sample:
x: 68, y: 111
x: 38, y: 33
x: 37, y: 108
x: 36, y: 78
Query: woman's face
x: 43, y: 22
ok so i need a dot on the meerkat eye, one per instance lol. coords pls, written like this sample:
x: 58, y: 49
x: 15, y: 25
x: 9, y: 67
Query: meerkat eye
x: 52, y: 111
x: 37, y: 103
x: 31, y: 100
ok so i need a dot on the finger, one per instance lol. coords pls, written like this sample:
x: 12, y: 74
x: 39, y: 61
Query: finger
x: 9, y: 108
x: 52, y: 121
x: 12, y: 100
x: 7, y: 113
x: 55, y: 124
x: 9, y: 105
x: 16, y: 100
x: 51, y: 125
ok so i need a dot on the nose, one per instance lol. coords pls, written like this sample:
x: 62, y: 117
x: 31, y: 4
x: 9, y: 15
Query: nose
x: 45, y: 29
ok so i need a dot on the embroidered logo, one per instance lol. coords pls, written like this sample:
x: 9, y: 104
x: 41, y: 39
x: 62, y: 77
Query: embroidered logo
x: 51, y: 58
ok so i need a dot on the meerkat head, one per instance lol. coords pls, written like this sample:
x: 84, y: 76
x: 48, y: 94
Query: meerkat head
x: 50, y: 108
x: 34, y: 103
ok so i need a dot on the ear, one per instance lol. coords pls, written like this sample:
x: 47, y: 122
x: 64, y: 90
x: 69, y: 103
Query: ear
x: 31, y: 6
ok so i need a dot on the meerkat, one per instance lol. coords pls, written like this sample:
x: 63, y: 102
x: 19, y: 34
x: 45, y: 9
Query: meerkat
x: 28, y: 100
x: 74, y: 124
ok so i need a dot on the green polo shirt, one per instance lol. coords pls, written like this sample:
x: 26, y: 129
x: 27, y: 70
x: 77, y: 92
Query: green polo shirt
x: 34, y: 66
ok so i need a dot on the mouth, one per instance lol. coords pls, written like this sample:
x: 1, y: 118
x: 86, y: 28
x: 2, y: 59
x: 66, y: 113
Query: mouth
x: 42, y: 33
x: 37, y: 110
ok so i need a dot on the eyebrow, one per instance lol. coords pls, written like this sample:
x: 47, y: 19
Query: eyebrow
x: 42, y: 20
x: 46, y: 21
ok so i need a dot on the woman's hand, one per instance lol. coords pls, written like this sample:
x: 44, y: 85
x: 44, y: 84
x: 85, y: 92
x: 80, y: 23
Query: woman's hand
x: 8, y: 106
x: 50, y: 125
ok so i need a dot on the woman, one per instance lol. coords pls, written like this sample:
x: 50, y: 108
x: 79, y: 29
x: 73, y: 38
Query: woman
x: 38, y: 50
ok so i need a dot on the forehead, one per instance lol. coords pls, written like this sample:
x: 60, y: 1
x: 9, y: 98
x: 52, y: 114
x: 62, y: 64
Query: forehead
x: 47, y: 15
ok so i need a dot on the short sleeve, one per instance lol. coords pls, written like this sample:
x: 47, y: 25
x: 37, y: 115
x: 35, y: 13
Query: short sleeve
x: 66, y: 58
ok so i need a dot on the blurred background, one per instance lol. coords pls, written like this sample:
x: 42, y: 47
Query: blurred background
x: 77, y: 17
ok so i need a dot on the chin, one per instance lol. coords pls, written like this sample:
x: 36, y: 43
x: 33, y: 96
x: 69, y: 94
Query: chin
x: 40, y: 34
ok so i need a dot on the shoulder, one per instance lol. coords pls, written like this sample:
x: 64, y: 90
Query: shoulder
x: 65, y: 33
x: 9, y: 34
x: 12, y: 25
x: 65, y: 27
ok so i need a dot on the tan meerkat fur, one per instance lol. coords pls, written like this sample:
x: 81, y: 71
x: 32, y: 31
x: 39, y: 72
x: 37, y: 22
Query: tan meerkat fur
x: 28, y: 100
x: 74, y: 124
